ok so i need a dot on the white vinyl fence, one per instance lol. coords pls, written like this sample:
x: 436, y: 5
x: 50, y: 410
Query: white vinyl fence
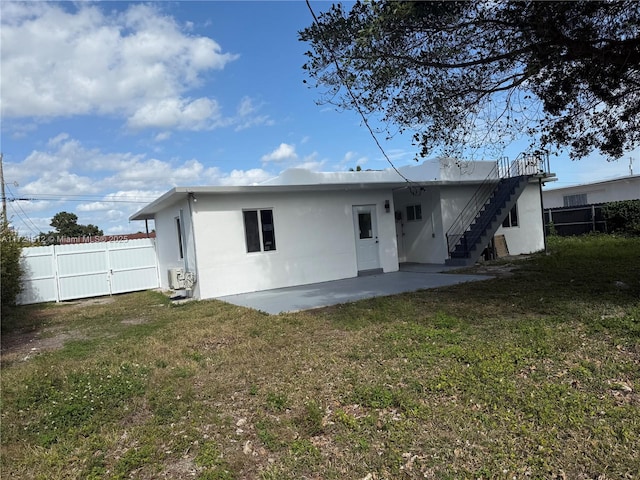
x: 68, y: 272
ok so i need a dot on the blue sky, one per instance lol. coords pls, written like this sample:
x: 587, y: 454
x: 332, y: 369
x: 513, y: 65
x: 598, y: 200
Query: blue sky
x: 107, y: 105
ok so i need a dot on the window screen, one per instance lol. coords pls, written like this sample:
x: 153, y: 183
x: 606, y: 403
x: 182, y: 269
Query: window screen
x: 259, y: 230
x: 251, y: 230
x: 575, y: 200
x: 414, y: 213
x: 268, y: 232
x: 512, y: 219
x: 179, y: 229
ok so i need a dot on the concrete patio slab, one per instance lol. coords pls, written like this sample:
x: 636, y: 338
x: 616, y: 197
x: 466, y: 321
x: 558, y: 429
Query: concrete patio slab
x: 410, y: 278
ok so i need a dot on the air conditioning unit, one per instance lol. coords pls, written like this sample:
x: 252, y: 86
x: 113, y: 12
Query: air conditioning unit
x: 176, y: 278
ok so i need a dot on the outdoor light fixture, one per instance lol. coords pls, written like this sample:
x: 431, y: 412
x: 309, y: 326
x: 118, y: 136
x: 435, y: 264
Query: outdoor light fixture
x: 386, y: 206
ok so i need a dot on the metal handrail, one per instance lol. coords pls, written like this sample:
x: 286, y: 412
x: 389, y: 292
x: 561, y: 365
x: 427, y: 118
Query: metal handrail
x: 524, y: 164
x: 488, y: 216
x: 474, y: 205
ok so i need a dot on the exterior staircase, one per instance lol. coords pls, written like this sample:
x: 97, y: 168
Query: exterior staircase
x: 478, y: 222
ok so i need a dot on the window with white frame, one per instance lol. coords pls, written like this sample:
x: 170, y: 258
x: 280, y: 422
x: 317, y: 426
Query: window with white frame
x: 414, y: 213
x: 259, y: 230
x: 512, y: 218
x: 574, y: 200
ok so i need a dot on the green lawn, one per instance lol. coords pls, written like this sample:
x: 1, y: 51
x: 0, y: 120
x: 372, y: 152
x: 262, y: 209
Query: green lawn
x: 535, y: 375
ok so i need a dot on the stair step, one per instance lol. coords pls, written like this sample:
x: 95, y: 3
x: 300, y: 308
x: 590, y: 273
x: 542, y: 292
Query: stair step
x: 485, y: 220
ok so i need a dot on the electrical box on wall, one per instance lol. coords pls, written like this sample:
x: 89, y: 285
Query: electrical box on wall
x: 176, y: 279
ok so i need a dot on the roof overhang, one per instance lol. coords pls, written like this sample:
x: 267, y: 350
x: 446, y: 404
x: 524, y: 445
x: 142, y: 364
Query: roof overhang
x: 177, y: 194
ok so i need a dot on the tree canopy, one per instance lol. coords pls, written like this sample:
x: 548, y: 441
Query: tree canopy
x: 66, y: 225
x: 480, y: 74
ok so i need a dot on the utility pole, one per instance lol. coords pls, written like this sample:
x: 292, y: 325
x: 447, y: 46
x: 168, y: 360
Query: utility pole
x: 4, y: 197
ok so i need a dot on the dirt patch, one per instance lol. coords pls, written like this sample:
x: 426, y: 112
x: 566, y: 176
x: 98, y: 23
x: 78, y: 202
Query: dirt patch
x: 182, y: 468
x: 23, y: 346
x: 91, y: 301
x: 42, y: 331
x: 498, y: 268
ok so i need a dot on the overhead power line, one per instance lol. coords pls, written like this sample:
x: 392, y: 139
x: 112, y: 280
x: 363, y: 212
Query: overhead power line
x: 36, y: 199
x: 26, y: 217
x: 354, y: 99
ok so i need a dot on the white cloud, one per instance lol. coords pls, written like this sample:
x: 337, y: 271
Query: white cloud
x: 59, y: 183
x: 75, y: 59
x: 144, y: 196
x: 247, y: 115
x: 19, y: 130
x: 114, y: 215
x: 94, y: 206
x: 352, y: 160
x: 311, y: 162
x: 245, y: 108
x: 30, y: 206
x: 162, y: 136
x: 180, y: 113
x: 282, y: 153
x: 132, y: 199
x: 245, y: 177
x: 58, y: 139
x: 27, y: 224
x: 110, y: 185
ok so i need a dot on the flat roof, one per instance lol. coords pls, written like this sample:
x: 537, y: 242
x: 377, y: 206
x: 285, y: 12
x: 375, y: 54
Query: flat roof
x: 179, y: 193
x: 596, y: 183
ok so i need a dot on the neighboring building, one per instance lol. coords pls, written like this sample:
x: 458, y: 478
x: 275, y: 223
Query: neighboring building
x: 622, y: 188
x: 304, y: 227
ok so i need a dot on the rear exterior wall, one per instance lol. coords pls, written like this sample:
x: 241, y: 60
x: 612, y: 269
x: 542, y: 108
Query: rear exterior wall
x: 528, y: 236
x: 420, y: 240
x: 169, y: 253
x: 314, y: 236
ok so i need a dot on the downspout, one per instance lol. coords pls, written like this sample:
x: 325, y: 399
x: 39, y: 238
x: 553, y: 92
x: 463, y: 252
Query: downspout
x: 185, y: 250
x: 544, y: 230
x: 191, y: 281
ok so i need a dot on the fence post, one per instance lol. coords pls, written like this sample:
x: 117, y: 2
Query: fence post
x: 56, y: 276
x: 109, y: 269
x: 593, y: 218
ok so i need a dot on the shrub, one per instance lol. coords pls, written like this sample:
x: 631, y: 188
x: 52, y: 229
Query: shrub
x: 11, y: 278
x: 623, y: 217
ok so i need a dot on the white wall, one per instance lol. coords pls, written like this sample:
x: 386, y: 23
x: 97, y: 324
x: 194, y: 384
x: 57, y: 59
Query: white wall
x: 453, y: 199
x: 527, y: 237
x: 314, y: 233
x: 626, y: 188
x: 167, y: 241
x: 423, y: 240
x: 455, y: 170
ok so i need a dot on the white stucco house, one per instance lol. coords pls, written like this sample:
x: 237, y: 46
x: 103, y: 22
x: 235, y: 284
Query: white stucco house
x: 304, y: 227
x: 611, y: 190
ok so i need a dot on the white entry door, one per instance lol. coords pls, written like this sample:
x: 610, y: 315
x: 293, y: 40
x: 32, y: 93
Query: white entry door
x: 366, y: 230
